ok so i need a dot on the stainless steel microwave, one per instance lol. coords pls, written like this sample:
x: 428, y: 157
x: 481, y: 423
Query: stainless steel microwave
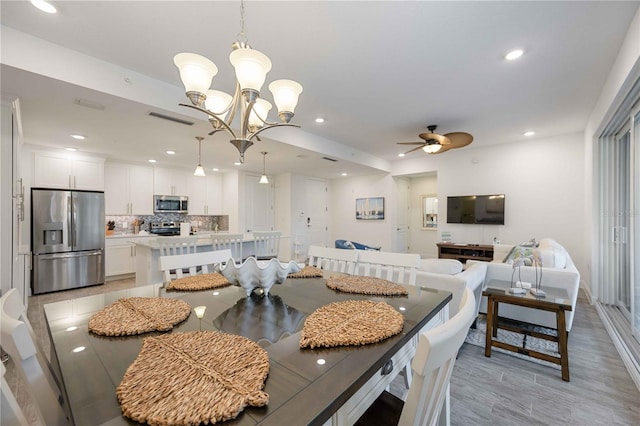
x: 170, y: 204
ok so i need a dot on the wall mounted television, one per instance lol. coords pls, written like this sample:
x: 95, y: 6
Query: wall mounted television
x: 476, y: 209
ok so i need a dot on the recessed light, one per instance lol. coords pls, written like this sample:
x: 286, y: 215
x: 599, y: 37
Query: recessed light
x: 514, y: 54
x: 215, y: 169
x: 71, y: 149
x: 529, y: 133
x: 170, y: 152
x: 401, y: 154
x: 320, y: 361
x: 72, y: 328
x: 344, y: 174
x: 79, y: 137
x: 79, y: 349
x: 44, y: 6
x: 237, y: 163
x: 152, y: 161
x: 319, y: 120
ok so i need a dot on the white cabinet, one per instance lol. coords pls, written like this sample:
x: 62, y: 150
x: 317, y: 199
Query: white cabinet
x: 170, y: 181
x: 120, y: 257
x: 205, y: 195
x: 128, y: 189
x: 68, y: 171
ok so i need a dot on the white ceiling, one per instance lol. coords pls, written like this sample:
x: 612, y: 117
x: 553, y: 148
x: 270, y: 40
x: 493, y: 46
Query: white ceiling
x: 378, y: 72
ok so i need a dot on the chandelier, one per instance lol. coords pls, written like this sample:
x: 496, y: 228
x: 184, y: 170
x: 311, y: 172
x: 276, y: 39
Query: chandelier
x: 251, y: 67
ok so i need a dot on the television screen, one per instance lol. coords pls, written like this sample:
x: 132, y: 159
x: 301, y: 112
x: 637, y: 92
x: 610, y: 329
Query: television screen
x: 477, y: 209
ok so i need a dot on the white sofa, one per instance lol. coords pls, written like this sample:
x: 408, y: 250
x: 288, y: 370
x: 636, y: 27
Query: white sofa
x: 558, y: 271
x: 448, y: 274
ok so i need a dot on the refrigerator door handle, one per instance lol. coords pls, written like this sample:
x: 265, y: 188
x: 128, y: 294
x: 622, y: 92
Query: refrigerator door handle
x: 69, y: 255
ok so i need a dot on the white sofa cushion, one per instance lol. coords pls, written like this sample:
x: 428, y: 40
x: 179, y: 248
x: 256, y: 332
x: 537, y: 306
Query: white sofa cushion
x: 441, y: 266
x: 552, y: 254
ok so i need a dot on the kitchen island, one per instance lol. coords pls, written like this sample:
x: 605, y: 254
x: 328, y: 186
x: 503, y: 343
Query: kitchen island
x: 147, y: 262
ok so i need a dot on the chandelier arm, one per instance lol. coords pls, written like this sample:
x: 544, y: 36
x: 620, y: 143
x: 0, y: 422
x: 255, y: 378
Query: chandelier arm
x: 254, y: 134
x: 234, y: 103
x: 244, y: 123
x: 210, y: 113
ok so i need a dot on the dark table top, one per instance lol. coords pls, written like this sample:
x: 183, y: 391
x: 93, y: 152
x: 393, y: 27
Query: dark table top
x: 301, y: 390
x: 554, y: 295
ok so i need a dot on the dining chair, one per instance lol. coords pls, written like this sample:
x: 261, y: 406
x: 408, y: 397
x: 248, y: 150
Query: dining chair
x: 10, y: 413
x: 171, y: 246
x: 17, y: 341
x: 432, y: 366
x: 266, y: 244
x: 182, y: 265
x: 333, y: 259
x: 232, y: 242
x: 397, y: 267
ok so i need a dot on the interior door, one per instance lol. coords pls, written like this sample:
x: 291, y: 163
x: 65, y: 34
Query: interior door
x: 258, y: 205
x: 401, y: 240
x: 316, y: 212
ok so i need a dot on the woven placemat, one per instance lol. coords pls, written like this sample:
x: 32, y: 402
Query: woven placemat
x: 137, y: 315
x: 193, y: 378
x: 366, y: 285
x: 199, y: 282
x: 307, y: 272
x: 354, y: 322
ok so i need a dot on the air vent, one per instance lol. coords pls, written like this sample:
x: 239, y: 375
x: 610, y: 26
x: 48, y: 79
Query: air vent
x: 89, y: 104
x: 330, y: 159
x: 174, y: 119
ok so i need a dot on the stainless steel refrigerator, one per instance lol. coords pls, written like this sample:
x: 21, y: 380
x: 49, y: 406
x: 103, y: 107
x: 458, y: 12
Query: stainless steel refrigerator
x: 67, y: 239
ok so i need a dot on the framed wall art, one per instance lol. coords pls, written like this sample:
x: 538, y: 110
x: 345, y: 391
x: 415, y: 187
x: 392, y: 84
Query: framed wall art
x: 370, y: 208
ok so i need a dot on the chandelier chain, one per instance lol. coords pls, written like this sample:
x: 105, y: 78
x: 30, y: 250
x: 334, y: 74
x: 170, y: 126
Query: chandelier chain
x: 242, y: 37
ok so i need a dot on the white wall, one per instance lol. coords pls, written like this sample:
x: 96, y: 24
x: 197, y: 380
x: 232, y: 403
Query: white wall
x: 541, y: 179
x: 6, y: 199
x: 342, y: 212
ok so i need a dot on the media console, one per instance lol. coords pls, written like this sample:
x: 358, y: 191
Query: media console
x: 464, y: 252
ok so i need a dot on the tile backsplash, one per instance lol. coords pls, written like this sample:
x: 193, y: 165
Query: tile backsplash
x: 201, y: 223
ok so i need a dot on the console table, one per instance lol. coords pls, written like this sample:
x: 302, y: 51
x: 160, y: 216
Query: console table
x: 464, y: 252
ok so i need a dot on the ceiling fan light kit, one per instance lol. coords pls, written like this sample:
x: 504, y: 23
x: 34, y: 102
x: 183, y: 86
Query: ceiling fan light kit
x: 251, y: 68
x: 435, y: 143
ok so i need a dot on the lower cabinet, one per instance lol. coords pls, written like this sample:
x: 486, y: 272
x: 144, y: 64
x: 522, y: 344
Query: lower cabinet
x: 120, y: 258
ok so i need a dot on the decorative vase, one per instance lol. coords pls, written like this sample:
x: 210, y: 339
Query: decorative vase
x: 252, y: 273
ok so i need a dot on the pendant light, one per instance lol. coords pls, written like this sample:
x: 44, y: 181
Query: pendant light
x: 199, y: 170
x: 264, y: 178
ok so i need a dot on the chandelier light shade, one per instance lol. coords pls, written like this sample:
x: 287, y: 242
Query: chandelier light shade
x: 264, y: 178
x: 251, y: 68
x: 199, y: 169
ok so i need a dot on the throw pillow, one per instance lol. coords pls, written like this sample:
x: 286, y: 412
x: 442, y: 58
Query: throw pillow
x: 349, y: 244
x: 518, y: 252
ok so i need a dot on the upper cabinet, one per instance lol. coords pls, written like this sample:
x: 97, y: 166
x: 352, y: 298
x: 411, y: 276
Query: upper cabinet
x: 59, y: 170
x: 128, y: 189
x: 205, y: 195
x: 170, y: 181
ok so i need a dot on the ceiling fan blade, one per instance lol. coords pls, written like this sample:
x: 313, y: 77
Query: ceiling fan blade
x: 416, y: 148
x: 411, y: 143
x: 459, y: 139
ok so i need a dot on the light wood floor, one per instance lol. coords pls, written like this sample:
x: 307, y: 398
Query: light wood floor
x: 500, y: 390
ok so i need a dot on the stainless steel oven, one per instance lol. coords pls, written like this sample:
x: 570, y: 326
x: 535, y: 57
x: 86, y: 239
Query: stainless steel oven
x: 170, y: 204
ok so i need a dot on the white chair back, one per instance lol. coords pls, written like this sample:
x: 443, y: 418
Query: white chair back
x: 266, y: 244
x: 232, y: 242
x: 333, y: 259
x: 11, y: 413
x: 183, y: 265
x: 17, y: 340
x: 397, y: 267
x: 433, y: 363
x: 172, y: 246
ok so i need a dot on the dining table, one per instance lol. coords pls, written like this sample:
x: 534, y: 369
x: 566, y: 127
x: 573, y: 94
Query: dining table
x: 321, y: 386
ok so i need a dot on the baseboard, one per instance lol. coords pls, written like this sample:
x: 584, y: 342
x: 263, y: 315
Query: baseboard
x: 625, y: 353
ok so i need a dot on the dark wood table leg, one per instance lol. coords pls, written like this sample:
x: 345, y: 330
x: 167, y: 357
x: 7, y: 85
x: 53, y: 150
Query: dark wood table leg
x: 490, y: 306
x: 496, y: 314
x: 562, y: 344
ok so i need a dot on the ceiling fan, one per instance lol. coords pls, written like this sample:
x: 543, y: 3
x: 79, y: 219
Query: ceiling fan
x: 435, y: 143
